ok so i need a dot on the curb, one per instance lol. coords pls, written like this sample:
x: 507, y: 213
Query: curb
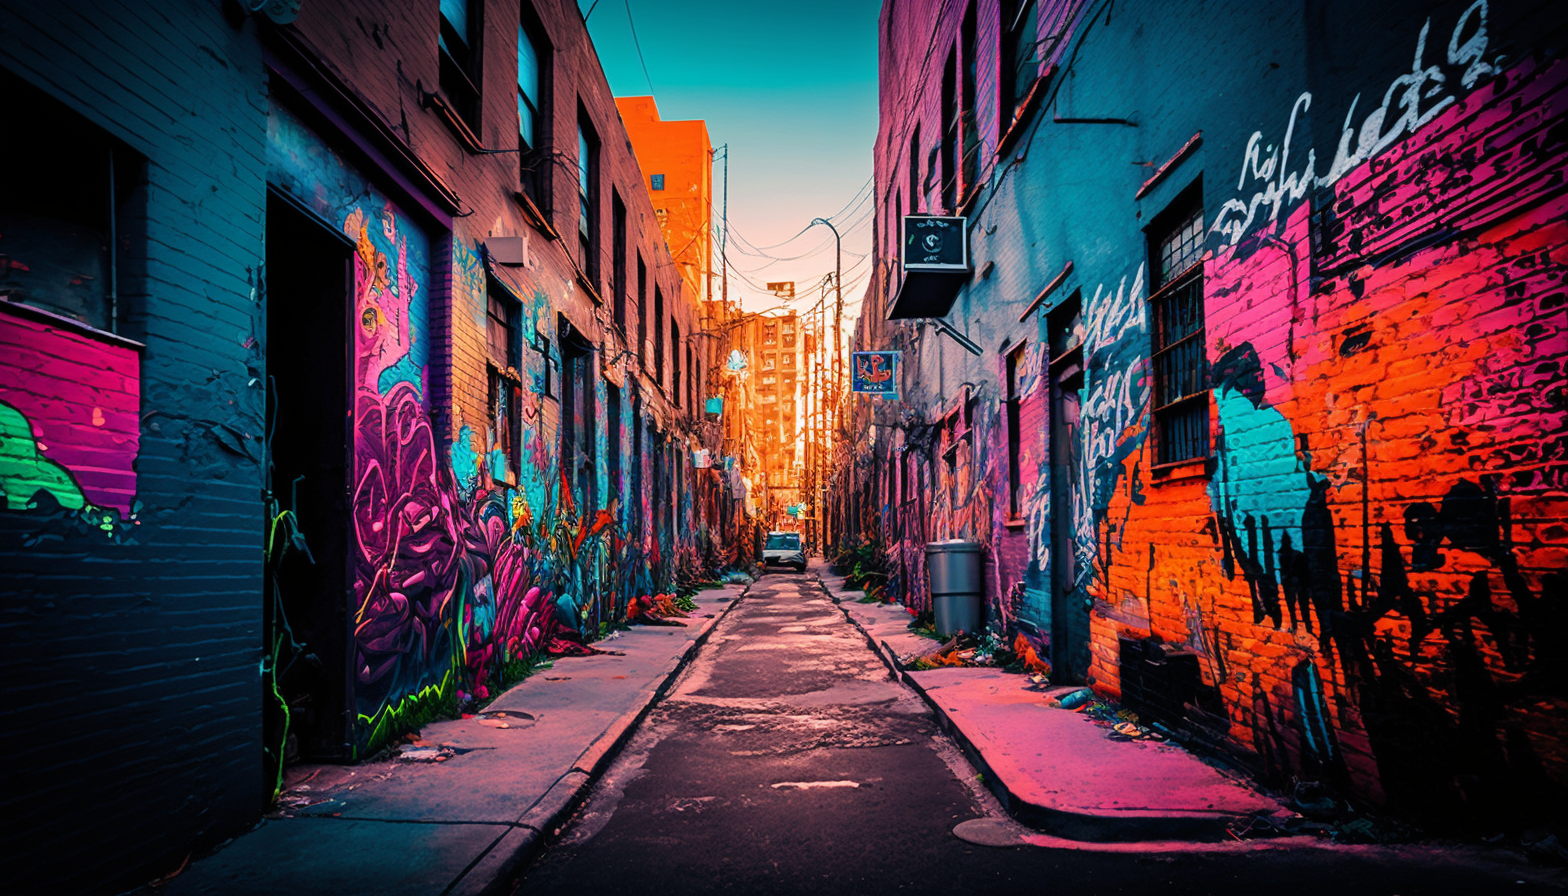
x: 512, y: 852
x: 1070, y: 826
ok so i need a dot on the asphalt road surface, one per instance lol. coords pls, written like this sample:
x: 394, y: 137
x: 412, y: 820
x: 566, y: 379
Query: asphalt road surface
x: 786, y: 760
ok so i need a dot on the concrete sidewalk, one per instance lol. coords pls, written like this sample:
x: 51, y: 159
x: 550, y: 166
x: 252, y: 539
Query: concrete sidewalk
x: 466, y: 824
x: 1054, y: 769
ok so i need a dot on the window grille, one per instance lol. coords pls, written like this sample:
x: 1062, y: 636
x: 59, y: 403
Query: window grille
x: 1181, y: 399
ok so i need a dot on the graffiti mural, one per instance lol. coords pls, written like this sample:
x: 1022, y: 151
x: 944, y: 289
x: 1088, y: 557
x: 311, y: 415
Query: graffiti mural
x: 474, y: 557
x: 1362, y: 581
x: 1384, y: 511
x: 69, y: 416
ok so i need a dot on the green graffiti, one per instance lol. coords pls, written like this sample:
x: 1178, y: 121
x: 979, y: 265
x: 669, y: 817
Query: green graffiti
x: 431, y: 702
x: 24, y: 472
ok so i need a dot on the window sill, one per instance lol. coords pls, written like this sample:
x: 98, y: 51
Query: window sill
x: 587, y: 285
x: 45, y: 316
x: 1015, y: 523
x: 454, y: 122
x: 535, y: 215
x: 1024, y: 112
x: 1183, y: 470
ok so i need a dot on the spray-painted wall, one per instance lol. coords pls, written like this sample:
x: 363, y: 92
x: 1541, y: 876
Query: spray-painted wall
x: 130, y: 528
x: 470, y: 558
x: 1362, y: 582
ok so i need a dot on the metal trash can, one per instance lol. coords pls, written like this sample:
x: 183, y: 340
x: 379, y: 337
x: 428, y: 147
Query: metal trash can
x: 953, y: 569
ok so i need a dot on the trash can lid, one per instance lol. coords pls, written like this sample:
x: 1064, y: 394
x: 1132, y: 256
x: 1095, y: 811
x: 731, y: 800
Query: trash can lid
x: 954, y: 546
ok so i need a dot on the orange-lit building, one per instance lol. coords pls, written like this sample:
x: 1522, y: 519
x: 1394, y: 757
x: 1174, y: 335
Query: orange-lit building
x: 770, y: 411
x: 677, y: 169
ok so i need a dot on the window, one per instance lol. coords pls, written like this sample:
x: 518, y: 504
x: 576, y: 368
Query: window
x: 530, y: 70
x: 458, y: 45
x: 770, y: 334
x: 656, y: 181
x: 618, y: 261
x: 970, y: 164
x: 675, y: 362
x: 1015, y: 373
x: 949, y: 148
x: 588, y: 200
x: 1181, y: 398
x: 658, y: 335
x: 64, y: 225
x: 914, y: 171
x: 788, y: 358
x: 789, y: 337
x: 505, y: 388
x: 1019, y: 65
x: 612, y: 438
x: 642, y: 311
x: 768, y: 361
x: 577, y: 416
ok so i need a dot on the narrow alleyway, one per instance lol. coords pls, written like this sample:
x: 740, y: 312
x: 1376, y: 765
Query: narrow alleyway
x: 786, y: 760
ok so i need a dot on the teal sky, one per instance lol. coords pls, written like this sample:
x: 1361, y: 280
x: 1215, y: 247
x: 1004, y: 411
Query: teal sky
x: 792, y: 88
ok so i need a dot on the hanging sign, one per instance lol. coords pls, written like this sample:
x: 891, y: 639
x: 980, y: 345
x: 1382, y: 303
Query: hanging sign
x: 714, y: 405
x: 875, y: 373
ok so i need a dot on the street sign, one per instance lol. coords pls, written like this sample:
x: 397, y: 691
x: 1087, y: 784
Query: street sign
x: 784, y: 289
x: 935, y: 244
x: 875, y: 373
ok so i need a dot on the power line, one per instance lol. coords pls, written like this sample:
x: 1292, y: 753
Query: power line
x: 636, y: 43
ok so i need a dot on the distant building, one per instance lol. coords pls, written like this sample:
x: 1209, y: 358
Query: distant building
x: 772, y: 393
x: 676, y: 158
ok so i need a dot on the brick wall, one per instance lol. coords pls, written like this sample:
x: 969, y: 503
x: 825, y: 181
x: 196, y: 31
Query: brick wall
x: 133, y: 620
x: 1357, y: 583
x: 132, y: 542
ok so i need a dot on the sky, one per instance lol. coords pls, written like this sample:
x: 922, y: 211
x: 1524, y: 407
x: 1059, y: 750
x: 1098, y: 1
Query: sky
x: 791, y: 86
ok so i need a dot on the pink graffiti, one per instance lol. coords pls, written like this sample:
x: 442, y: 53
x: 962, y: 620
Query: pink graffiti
x: 406, y: 532
x: 82, y: 397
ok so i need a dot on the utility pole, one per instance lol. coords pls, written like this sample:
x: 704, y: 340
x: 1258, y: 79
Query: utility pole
x: 724, y: 235
x: 838, y: 315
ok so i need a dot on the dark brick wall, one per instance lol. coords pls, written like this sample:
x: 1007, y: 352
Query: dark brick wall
x: 132, y: 639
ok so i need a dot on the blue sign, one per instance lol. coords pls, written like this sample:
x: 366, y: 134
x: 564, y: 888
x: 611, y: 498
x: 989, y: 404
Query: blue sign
x: 714, y: 405
x: 875, y: 373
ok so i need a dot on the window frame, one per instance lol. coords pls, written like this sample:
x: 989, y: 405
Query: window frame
x: 618, y: 250
x: 532, y: 182
x: 460, y: 75
x: 1011, y: 93
x: 950, y: 127
x: 588, y: 198
x: 503, y: 382
x: 1178, y: 333
x: 1013, y: 373
x: 969, y: 78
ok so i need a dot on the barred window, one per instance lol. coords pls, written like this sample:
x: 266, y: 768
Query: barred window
x: 1181, y: 398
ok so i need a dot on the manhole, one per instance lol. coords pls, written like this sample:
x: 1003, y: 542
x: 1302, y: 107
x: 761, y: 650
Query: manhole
x: 505, y: 718
x: 988, y: 832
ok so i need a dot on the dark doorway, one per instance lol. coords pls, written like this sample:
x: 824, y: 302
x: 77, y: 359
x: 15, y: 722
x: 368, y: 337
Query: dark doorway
x: 1069, y: 606
x: 308, y: 590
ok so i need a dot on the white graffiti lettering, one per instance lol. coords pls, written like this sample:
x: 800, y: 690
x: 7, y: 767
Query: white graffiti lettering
x: 1267, y: 166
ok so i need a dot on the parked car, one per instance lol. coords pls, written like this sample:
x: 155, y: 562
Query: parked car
x: 784, y: 549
